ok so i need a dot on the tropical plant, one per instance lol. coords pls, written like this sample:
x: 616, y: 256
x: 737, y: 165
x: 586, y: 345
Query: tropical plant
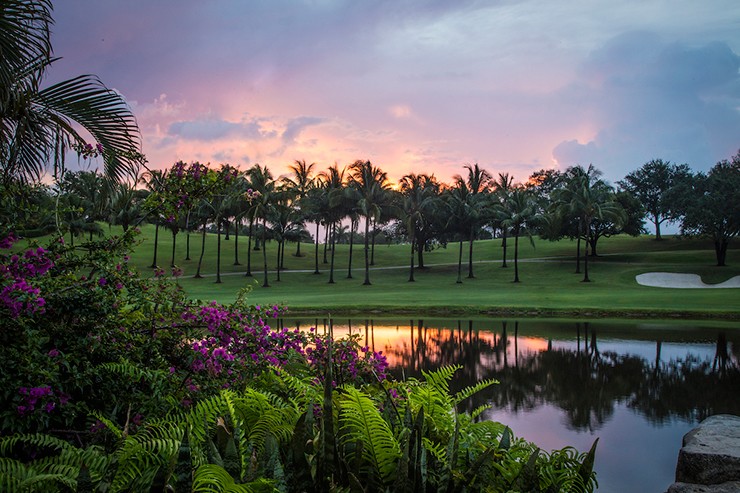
x: 371, y: 184
x: 38, y: 125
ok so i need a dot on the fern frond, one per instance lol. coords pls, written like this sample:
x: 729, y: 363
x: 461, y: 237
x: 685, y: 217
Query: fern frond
x: 112, y: 427
x: 210, y: 478
x: 37, y: 440
x: 440, y: 378
x: 473, y: 389
x: 480, y: 410
x: 361, y: 421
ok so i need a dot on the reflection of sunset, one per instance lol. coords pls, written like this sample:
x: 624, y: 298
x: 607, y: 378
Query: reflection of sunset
x: 405, y: 345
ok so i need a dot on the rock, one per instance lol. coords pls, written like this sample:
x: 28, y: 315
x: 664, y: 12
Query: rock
x: 729, y: 487
x: 711, y: 453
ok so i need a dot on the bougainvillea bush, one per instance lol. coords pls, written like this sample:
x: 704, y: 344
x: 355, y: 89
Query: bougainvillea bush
x: 85, y: 335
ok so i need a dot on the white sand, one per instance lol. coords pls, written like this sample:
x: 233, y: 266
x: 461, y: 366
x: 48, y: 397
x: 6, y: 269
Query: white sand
x: 681, y: 281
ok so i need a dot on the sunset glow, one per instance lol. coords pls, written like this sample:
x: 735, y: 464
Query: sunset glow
x: 417, y: 87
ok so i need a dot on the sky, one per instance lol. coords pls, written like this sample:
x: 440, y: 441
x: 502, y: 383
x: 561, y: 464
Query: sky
x: 417, y: 86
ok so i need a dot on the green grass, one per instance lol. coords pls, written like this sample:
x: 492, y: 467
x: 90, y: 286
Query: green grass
x: 548, y: 284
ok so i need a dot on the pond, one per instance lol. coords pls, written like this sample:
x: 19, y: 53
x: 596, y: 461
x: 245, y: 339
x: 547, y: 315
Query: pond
x: 638, y: 386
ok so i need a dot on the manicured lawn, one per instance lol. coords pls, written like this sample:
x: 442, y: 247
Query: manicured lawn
x: 548, y: 282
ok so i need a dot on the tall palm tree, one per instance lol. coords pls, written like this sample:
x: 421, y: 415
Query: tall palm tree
x: 301, y: 183
x: 333, y: 184
x: 38, y: 125
x: 419, y: 200
x: 458, y: 203
x: 586, y: 198
x: 477, y: 185
x: 262, y: 181
x: 371, y: 184
x: 518, y: 210
x: 501, y: 188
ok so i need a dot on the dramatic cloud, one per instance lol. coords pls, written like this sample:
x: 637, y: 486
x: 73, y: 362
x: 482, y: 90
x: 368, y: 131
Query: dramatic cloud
x: 650, y: 99
x: 515, y: 85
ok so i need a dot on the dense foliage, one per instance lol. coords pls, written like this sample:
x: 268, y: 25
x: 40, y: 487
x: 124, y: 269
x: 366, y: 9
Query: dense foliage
x: 114, y: 382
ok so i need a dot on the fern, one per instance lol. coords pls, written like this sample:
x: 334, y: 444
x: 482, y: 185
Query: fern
x: 468, y: 391
x: 361, y: 421
x: 210, y: 478
x: 440, y: 378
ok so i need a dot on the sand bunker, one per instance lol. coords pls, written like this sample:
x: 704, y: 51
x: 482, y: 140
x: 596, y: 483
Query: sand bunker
x: 681, y: 281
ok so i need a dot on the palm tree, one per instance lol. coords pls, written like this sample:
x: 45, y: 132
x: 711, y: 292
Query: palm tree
x: 38, y: 125
x: 301, y: 184
x: 477, y: 187
x: 371, y: 184
x: 419, y: 200
x: 586, y: 198
x: 518, y: 210
x: 501, y: 189
x: 261, y: 179
x: 333, y: 184
x: 457, y: 200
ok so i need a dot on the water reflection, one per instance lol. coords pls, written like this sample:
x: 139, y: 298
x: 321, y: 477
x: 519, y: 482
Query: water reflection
x: 584, y: 369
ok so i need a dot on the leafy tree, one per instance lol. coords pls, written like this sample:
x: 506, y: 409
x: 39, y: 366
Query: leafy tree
x: 38, y: 125
x: 653, y: 184
x: 628, y: 221
x: 713, y: 208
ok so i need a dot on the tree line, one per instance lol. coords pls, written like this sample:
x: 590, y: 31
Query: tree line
x: 359, y: 203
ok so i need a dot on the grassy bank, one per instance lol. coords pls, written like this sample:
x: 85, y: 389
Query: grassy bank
x: 549, y: 284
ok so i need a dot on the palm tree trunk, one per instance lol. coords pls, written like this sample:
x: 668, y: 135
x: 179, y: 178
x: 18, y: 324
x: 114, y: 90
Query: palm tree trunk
x: 516, y: 255
x: 249, y: 250
x: 470, y: 256
x: 218, y: 250
x: 367, y: 253
x: 156, y: 243
x: 503, y: 246
x: 316, y: 251
x: 333, y: 244
x: 237, y: 223
x: 578, y: 254
x: 279, y: 248
x: 585, y: 255
x: 266, y: 283
x: 411, y: 267
x: 372, y: 252
x: 202, y: 250
x: 187, y: 236
x: 174, y: 241
x: 420, y: 253
x: 459, y: 264
x: 326, y: 242
x: 351, y: 247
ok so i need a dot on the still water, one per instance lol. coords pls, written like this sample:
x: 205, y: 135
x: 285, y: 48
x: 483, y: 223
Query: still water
x: 637, y: 385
